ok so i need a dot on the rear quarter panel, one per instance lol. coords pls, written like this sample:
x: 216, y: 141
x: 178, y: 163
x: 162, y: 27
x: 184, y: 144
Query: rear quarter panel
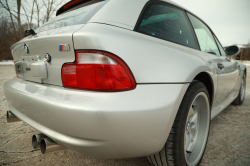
x: 150, y: 59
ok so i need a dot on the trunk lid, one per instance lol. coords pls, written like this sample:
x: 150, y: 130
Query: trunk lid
x: 53, y: 40
x: 30, y: 63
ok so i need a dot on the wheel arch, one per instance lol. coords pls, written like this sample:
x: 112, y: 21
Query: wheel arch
x: 207, y: 80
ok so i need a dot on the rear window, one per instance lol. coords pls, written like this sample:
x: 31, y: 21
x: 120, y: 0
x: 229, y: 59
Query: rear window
x: 166, y: 22
x: 79, y: 15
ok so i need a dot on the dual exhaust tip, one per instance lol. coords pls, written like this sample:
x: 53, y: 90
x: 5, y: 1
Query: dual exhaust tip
x: 39, y: 141
x: 45, y: 144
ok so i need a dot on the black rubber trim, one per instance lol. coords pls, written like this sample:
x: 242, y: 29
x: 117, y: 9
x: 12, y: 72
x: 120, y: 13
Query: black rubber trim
x: 192, y: 28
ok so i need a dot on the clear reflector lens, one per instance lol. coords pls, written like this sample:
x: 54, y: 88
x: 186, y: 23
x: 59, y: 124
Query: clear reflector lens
x: 91, y: 58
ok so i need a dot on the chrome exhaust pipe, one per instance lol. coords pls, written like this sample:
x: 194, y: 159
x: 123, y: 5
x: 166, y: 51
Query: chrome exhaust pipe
x: 36, y: 140
x: 48, y: 145
x: 11, y: 117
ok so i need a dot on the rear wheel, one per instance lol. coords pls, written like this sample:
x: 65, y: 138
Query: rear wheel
x: 188, y: 137
x: 241, y: 96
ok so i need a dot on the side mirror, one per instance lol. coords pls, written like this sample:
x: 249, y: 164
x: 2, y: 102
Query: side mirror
x: 232, y: 51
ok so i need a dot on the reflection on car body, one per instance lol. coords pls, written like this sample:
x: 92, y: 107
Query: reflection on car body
x: 118, y: 79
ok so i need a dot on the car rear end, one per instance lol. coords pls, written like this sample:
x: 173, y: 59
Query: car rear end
x: 79, y: 83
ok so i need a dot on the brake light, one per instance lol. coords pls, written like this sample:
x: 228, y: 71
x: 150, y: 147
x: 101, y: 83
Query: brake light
x: 99, y: 71
x: 76, y: 2
x: 71, y: 3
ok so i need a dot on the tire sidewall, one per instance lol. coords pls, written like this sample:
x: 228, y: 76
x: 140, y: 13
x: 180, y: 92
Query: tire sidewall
x: 186, y: 106
x: 244, y: 78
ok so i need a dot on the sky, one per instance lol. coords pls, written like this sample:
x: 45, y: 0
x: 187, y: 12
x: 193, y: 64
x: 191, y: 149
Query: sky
x: 229, y: 19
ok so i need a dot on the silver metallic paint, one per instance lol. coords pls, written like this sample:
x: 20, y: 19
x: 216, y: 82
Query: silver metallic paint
x: 39, y: 69
x: 42, y: 43
x: 122, y: 124
x: 137, y: 121
x: 155, y: 56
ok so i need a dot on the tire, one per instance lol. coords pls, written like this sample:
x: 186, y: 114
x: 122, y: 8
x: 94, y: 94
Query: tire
x: 175, y: 151
x: 241, y: 96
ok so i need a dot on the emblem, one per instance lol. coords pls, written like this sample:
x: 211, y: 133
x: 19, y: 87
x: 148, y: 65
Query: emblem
x: 26, y: 48
x: 64, y: 47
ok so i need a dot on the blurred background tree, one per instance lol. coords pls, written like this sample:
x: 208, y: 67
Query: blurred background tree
x: 18, y: 15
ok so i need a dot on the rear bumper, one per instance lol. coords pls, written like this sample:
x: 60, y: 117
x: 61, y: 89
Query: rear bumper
x: 108, y: 125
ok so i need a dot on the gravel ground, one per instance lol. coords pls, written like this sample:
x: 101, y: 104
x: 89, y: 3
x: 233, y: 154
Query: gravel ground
x: 228, y: 143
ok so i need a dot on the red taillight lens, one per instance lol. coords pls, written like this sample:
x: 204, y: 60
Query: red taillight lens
x: 99, y: 71
x: 74, y: 2
x: 71, y: 3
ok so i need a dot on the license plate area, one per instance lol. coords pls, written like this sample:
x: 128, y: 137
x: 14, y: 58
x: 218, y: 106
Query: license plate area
x: 32, y: 68
x: 19, y: 68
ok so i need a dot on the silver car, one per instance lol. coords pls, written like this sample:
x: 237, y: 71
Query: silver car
x: 123, y: 79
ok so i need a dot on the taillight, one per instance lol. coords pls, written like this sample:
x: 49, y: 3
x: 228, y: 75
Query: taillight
x: 99, y: 71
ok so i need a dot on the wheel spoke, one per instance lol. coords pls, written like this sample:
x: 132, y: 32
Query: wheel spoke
x: 192, y: 111
x: 188, y: 141
x: 194, y: 118
x: 189, y: 148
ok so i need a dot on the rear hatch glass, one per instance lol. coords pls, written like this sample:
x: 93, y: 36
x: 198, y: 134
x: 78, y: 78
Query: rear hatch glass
x: 78, y: 15
x: 53, y: 38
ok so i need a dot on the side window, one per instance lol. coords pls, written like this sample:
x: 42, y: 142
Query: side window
x: 222, y: 52
x: 204, y: 35
x: 166, y: 22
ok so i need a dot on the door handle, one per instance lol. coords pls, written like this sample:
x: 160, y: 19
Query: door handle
x: 221, y: 66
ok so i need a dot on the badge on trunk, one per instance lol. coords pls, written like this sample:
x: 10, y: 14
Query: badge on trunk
x: 64, y: 47
x: 26, y: 48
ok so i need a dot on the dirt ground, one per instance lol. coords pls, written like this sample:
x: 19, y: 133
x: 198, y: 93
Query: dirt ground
x: 228, y: 143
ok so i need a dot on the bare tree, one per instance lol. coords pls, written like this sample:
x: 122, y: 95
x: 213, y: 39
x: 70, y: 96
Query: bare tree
x: 12, y: 15
x: 38, y: 12
x: 7, y: 38
x: 18, y: 15
x: 51, y: 6
x: 41, y: 11
x: 6, y: 6
x: 29, y: 17
x: 18, y: 18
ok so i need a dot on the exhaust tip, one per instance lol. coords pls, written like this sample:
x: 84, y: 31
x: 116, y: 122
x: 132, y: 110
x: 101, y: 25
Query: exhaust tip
x: 43, y: 146
x: 34, y: 142
x: 48, y: 145
x: 11, y: 117
x: 8, y: 117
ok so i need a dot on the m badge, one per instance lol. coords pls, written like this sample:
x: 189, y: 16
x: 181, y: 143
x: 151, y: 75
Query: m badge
x: 64, y: 47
